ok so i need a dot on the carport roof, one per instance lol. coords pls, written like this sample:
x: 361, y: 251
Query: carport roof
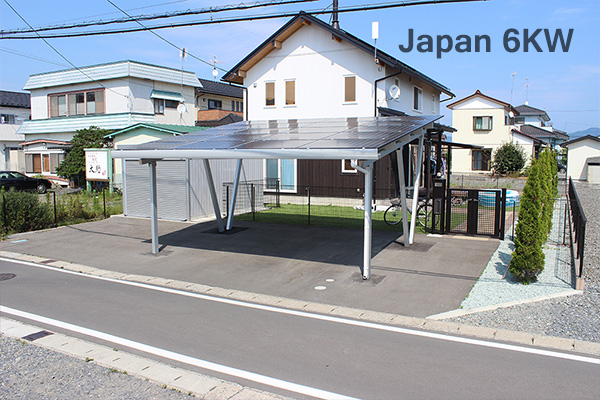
x: 330, y: 138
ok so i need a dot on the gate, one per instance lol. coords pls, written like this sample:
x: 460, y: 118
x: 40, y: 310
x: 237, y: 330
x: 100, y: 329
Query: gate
x: 476, y: 211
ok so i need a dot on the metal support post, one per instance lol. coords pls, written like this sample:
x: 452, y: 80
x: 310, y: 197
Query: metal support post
x: 154, y: 210
x: 402, y: 186
x: 368, y: 220
x: 236, y: 184
x: 213, y: 195
x: 416, y: 185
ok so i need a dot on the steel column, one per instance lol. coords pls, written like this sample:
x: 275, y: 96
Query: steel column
x: 402, y: 186
x: 236, y: 184
x: 154, y: 210
x: 213, y: 195
x: 368, y: 220
x: 416, y: 184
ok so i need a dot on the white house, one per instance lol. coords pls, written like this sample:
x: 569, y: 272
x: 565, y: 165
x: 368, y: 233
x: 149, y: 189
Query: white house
x: 310, y: 69
x: 110, y: 96
x: 14, y: 109
x: 485, y: 121
x: 583, y: 158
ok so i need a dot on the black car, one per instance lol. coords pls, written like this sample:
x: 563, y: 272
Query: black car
x: 18, y: 181
x: 561, y: 167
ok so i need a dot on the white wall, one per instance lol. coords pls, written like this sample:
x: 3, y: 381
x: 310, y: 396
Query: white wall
x: 577, y: 155
x: 318, y: 64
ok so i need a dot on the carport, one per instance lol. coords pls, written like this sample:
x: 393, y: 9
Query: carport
x: 362, y: 140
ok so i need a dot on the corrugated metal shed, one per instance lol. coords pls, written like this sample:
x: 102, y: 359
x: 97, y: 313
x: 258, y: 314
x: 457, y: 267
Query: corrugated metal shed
x: 120, y: 69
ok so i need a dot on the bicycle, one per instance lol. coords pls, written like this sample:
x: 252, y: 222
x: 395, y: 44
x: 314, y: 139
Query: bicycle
x: 393, y: 214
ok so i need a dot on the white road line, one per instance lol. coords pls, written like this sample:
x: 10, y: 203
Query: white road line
x: 251, y: 376
x: 340, y: 320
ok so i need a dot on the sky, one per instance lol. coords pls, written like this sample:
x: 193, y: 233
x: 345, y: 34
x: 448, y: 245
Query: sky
x: 566, y: 84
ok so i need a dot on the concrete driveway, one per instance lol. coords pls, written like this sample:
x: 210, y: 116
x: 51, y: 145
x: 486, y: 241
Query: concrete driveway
x: 432, y: 276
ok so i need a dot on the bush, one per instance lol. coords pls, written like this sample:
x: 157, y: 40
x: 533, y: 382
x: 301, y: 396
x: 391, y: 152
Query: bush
x: 527, y: 260
x: 509, y: 157
x: 22, y: 212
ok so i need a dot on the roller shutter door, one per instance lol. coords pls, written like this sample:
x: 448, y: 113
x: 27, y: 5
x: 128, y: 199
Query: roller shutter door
x: 171, y: 181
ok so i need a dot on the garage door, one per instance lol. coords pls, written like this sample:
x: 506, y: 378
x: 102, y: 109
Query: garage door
x: 171, y: 182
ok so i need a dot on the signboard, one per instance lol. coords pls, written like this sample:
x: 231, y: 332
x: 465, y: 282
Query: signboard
x: 96, y: 165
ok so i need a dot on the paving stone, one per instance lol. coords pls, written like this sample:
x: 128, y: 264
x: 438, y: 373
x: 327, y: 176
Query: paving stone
x: 196, y: 383
x: 226, y: 390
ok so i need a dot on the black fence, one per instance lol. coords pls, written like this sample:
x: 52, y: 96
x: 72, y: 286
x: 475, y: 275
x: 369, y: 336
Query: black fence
x: 577, y: 222
x: 477, y: 211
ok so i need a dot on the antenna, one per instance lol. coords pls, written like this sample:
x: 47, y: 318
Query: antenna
x: 375, y: 36
x: 527, y: 84
x: 512, y: 86
x: 215, y: 73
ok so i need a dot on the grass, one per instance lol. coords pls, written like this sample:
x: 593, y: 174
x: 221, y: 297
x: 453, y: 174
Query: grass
x: 347, y: 217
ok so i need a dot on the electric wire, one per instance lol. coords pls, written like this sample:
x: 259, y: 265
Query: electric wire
x: 368, y: 7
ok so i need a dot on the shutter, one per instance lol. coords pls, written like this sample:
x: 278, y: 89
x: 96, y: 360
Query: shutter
x: 171, y: 181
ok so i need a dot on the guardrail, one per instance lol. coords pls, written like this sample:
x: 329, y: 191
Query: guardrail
x: 577, y: 222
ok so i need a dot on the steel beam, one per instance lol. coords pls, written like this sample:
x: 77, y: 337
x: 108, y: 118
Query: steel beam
x: 213, y: 195
x: 236, y: 183
x: 154, y: 205
x: 416, y: 184
x: 402, y: 186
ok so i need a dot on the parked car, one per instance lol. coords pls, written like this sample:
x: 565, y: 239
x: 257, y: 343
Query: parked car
x: 561, y: 167
x: 18, y: 181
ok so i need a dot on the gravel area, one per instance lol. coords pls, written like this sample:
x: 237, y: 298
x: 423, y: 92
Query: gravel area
x: 574, y: 317
x: 28, y: 371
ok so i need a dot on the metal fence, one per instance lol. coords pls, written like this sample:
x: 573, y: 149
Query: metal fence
x: 577, y: 222
x: 477, y: 211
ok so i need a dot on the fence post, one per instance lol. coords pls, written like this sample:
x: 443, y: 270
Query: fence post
x: 104, y: 200
x: 514, y: 219
x: 55, y: 216
x: 308, y: 192
x: 277, y: 204
x: 227, y: 199
x: 4, y: 224
x: 252, y: 201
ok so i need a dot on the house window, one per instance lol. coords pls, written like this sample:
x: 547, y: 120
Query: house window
x: 77, y: 103
x: 519, y: 120
x: 7, y: 119
x: 290, y: 93
x: 171, y: 104
x: 349, y: 89
x: 482, y: 123
x: 270, y: 93
x: 280, y: 174
x: 417, y: 99
x: 215, y: 104
x: 347, y: 167
x: 481, y: 160
x: 159, y: 106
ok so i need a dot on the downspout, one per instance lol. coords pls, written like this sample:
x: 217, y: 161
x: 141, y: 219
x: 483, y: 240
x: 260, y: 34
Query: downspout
x: 375, y: 85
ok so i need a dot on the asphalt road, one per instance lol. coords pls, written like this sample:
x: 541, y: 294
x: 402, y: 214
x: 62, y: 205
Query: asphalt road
x: 332, y: 354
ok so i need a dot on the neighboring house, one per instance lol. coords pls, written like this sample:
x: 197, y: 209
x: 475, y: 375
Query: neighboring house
x: 583, y: 158
x: 15, y: 108
x: 219, y: 103
x: 484, y: 121
x: 536, y: 122
x: 110, y: 96
x: 310, y: 69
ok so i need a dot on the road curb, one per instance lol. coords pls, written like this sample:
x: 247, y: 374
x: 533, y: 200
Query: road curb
x: 450, y: 328
x: 185, y: 381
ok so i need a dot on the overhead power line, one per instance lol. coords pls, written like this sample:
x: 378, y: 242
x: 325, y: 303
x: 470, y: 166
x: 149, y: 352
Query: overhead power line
x: 211, y: 21
x: 137, y: 18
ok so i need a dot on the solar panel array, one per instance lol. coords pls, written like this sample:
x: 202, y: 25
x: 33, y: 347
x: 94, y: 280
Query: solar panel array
x: 329, y: 133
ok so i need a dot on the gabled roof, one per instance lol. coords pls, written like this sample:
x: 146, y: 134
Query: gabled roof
x: 222, y: 89
x: 535, y: 139
x: 114, y: 70
x: 49, y: 141
x: 479, y: 94
x: 237, y: 73
x: 14, y: 99
x: 541, y: 132
x: 525, y: 109
x: 230, y: 118
x: 172, y: 129
x: 579, y: 139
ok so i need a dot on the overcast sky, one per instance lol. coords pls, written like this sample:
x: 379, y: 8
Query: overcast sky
x: 565, y: 84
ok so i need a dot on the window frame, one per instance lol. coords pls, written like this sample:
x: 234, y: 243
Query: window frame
x: 489, y: 159
x: 293, y: 82
x: 267, y: 189
x: 159, y: 106
x: 490, y: 125
x: 345, y: 91
x: 56, y: 109
x: 218, y: 104
x: 346, y: 169
x: 418, y: 96
x: 267, y: 100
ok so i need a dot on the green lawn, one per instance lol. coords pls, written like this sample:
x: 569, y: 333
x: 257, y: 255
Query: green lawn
x: 347, y: 217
